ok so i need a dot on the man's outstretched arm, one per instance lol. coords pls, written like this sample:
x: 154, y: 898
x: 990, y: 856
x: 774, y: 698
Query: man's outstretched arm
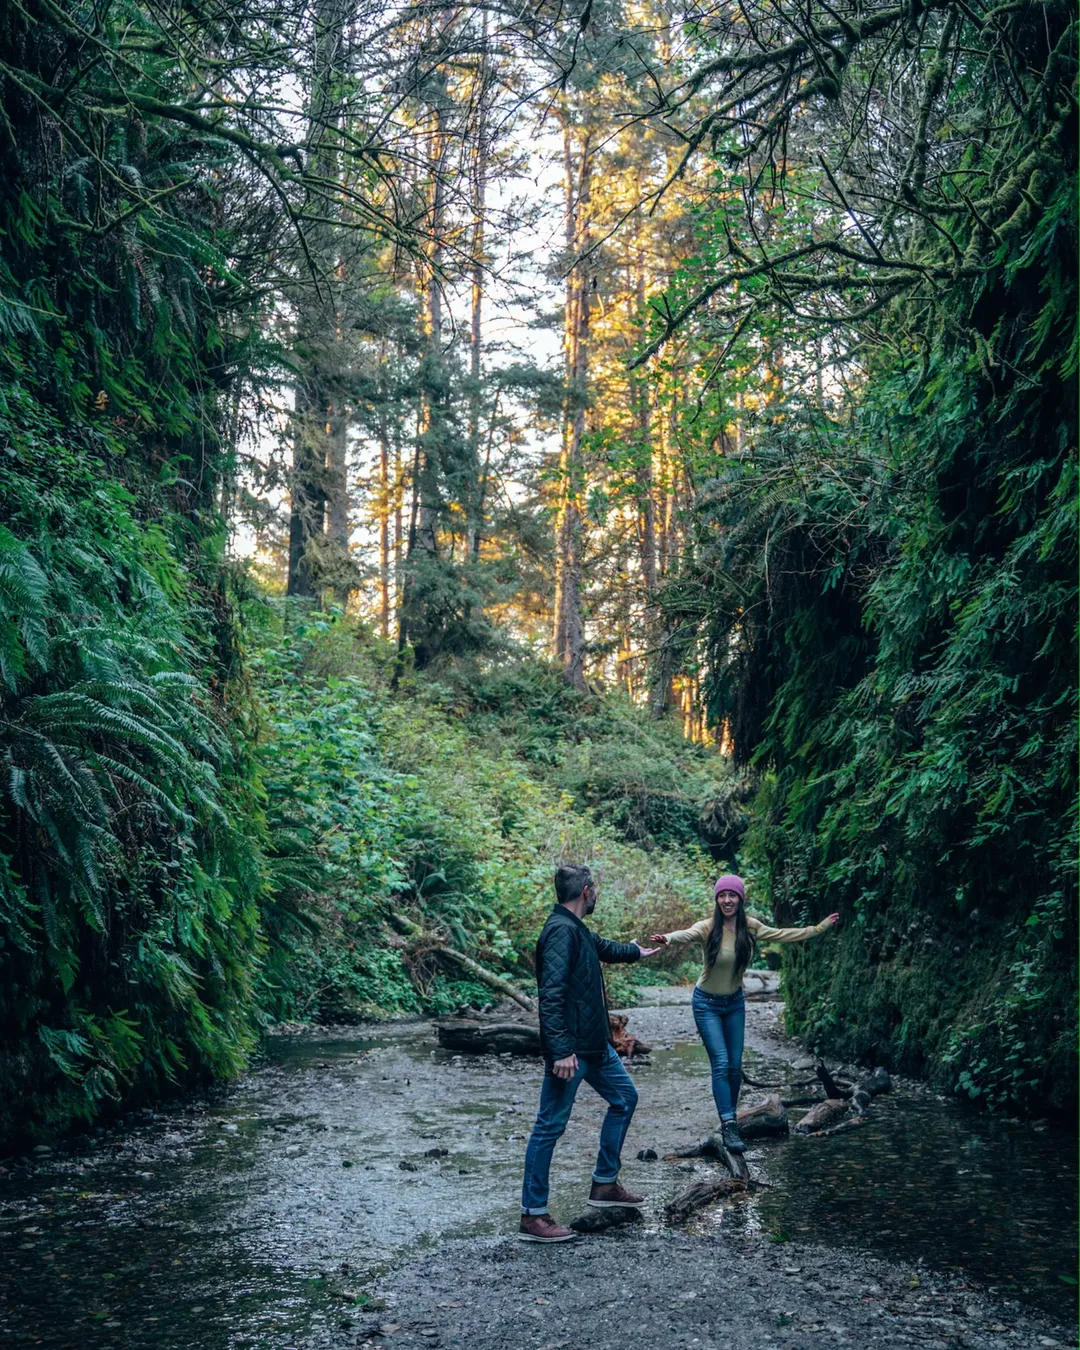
x: 614, y: 952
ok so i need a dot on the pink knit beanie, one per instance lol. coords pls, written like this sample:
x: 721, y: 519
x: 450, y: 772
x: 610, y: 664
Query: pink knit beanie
x: 730, y: 883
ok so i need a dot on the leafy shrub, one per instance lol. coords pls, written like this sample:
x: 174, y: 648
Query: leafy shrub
x: 408, y: 809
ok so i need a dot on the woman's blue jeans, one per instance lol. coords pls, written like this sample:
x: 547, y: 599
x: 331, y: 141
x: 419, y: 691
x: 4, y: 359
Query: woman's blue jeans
x: 721, y: 1023
x: 606, y: 1075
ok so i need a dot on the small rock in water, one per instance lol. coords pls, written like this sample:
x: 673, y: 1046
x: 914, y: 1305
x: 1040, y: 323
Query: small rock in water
x: 647, y: 1155
x: 686, y: 1167
x: 407, y: 1166
x: 42, y: 1151
x: 437, y: 1153
x: 292, y: 1150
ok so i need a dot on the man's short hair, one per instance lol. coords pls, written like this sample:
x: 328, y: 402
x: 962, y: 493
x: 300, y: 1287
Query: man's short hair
x: 570, y: 880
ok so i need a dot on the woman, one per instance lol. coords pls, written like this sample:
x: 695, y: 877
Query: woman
x: 729, y: 937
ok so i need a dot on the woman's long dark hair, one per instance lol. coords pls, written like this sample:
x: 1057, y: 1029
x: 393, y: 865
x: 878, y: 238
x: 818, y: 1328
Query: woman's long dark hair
x: 744, y: 942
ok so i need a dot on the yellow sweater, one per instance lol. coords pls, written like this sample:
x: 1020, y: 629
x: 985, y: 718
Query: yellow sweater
x: 721, y: 978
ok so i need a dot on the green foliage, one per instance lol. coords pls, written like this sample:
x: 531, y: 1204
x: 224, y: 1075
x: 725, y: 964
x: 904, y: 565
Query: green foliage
x: 642, y: 777
x: 129, y: 870
x: 891, y: 624
x: 128, y: 921
x: 412, y: 806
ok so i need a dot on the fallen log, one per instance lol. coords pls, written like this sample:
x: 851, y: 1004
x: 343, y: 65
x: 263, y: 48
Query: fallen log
x: 439, y: 947
x: 766, y: 1120
x: 823, y: 1115
x: 702, y: 1193
x: 833, y: 1090
x: 484, y: 1036
x: 471, y: 1036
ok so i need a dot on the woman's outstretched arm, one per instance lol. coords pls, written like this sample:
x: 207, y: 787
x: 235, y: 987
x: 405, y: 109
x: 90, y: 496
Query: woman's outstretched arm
x: 763, y: 933
x: 697, y: 932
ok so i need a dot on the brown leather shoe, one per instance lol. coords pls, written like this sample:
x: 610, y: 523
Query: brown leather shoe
x: 608, y: 1194
x: 543, y: 1228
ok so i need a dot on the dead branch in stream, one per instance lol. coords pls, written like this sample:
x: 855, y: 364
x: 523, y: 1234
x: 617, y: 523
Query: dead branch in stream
x: 703, y: 1193
x: 420, y: 941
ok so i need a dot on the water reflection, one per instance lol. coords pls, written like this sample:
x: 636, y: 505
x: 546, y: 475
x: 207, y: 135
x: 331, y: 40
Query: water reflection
x: 932, y: 1179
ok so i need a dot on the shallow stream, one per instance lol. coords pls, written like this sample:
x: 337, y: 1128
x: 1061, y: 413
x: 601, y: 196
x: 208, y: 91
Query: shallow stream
x: 264, y: 1219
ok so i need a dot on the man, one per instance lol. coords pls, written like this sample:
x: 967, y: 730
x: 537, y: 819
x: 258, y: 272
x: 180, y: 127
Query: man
x: 575, y: 1037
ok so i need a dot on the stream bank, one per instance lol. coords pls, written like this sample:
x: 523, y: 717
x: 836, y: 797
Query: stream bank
x: 328, y: 1195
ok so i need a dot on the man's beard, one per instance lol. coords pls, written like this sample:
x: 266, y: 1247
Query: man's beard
x: 590, y: 905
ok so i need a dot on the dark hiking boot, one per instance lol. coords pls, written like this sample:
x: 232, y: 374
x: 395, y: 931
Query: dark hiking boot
x: 543, y: 1228
x: 608, y: 1194
x: 733, y: 1140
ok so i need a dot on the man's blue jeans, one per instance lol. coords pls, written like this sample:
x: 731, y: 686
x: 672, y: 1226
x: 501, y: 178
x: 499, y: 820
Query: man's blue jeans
x: 606, y: 1075
x: 721, y: 1023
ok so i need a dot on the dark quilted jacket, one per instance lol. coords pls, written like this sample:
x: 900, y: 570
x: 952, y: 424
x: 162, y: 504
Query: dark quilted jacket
x: 573, y: 1008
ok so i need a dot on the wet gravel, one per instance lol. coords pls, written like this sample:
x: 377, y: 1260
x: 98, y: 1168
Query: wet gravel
x: 666, y: 1290
x: 359, y: 1181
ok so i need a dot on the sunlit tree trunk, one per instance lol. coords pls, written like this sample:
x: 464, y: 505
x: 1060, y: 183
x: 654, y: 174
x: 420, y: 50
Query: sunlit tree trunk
x: 432, y: 391
x: 569, y: 628
x: 318, y: 431
x: 384, y: 525
x: 475, y: 523
x: 662, y: 673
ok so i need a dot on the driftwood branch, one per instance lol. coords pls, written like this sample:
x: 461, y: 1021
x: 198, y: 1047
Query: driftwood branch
x: 826, y: 1116
x: 439, y: 947
x: 767, y: 1120
x: 703, y: 1193
x: 833, y: 1089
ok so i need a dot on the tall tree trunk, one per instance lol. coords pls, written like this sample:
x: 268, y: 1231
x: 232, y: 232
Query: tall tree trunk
x: 307, y: 500
x: 432, y: 394
x: 662, y: 681
x: 318, y: 431
x: 337, y: 481
x: 646, y: 500
x: 475, y: 523
x: 384, y: 525
x: 569, y: 632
